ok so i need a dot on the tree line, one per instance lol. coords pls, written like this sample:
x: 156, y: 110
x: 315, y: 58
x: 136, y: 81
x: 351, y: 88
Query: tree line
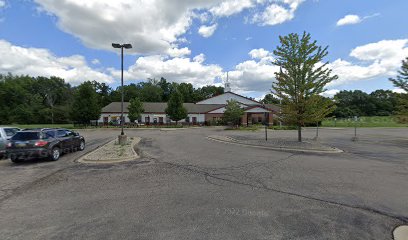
x: 358, y: 103
x: 39, y: 100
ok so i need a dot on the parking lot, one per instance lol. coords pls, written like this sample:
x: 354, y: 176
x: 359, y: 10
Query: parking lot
x: 186, y: 186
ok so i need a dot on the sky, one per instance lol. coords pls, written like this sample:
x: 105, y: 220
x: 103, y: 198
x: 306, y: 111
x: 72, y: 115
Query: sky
x: 199, y: 41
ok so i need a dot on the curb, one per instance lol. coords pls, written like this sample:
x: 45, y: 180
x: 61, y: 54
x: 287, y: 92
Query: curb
x: 84, y: 159
x: 134, y: 129
x: 335, y: 150
x: 400, y: 232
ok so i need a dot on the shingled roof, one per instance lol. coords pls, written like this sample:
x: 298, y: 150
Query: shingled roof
x: 160, y: 107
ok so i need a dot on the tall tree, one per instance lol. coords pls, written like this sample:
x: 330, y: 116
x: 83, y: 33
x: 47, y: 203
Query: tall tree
x: 175, y: 108
x: 207, y: 92
x: 402, y: 82
x: 135, y: 109
x: 52, y: 90
x: 302, y: 77
x: 233, y: 112
x: 150, y: 91
x: 270, y: 99
x: 104, y: 92
x: 166, y: 89
x: 86, y: 105
x: 402, y: 78
x: 187, y: 90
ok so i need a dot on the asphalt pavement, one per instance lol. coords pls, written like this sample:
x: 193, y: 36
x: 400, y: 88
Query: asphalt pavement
x: 186, y: 186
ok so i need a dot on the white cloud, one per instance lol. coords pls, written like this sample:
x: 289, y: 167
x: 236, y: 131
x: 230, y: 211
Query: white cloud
x: 348, y: 20
x: 230, y: 7
x: 199, y: 58
x: 259, y: 53
x: 398, y: 90
x: 41, y: 62
x: 276, y: 14
x: 2, y: 3
x: 330, y: 93
x: 354, y: 19
x: 254, y: 75
x: 154, y: 26
x: 207, y: 31
x: 380, y: 59
x: 96, y: 61
x: 178, y: 52
x: 151, y: 26
x: 179, y: 69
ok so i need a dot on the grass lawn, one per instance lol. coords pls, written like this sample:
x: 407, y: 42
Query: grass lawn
x: 376, y: 121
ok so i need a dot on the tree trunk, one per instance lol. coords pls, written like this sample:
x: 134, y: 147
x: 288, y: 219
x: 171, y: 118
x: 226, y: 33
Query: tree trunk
x: 52, y: 115
x: 299, y: 132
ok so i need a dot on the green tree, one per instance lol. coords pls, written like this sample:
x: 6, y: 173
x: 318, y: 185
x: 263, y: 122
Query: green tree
x: 52, y: 91
x: 86, y: 105
x: 19, y: 101
x: 302, y: 77
x: 175, y: 108
x: 354, y: 103
x: 385, y: 102
x: 402, y: 78
x: 187, y: 90
x: 207, y: 92
x: 233, y: 112
x: 135, y: 109
x: 104, y: 93
x: 270, y: 99
x: 402, y: 82
x: 166, y: 89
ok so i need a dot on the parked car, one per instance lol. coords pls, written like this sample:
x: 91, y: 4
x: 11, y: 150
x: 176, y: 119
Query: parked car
x: 5, y: 134
x: 43, y: 143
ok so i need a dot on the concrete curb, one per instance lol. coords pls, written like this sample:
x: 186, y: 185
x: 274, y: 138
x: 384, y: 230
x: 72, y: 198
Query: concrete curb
x: 135, y: 156
x: 234, y: 141
x: 400, y: 232
x: 135, y: 129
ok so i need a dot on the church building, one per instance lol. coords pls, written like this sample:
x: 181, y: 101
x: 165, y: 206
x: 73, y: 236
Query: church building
x: 204, y: 112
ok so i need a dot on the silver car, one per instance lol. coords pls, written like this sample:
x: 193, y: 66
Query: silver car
x: 5, y: 134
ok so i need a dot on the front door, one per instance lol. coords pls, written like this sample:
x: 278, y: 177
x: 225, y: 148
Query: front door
x: 65, y: 139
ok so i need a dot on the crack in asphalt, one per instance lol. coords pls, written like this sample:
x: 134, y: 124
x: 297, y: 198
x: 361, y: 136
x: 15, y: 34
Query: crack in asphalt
x: 206, y: 172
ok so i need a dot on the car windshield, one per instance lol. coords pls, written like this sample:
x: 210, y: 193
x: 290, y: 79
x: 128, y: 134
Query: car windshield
x: 26, y: 136
x: 10, y: 131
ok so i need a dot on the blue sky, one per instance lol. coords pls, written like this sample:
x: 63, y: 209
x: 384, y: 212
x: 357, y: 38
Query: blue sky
x: 199, y: 41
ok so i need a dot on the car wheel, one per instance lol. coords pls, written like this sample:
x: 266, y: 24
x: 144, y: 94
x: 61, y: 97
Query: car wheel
x: 82, y: 146
x: 55, y: 154
x: 14, y: 159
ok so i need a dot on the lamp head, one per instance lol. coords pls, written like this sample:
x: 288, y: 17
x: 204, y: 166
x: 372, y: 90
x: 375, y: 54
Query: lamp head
x: 116, y: 45
x: 127, y: 45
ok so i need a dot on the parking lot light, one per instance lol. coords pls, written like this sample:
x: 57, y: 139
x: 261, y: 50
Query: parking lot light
x: 122, y: 137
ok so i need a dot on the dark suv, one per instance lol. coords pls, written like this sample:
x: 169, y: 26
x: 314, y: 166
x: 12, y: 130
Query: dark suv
x: 43, y: 143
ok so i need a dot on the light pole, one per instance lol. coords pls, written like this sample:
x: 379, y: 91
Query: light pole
x: 122, y: 137
x: 266, y: 122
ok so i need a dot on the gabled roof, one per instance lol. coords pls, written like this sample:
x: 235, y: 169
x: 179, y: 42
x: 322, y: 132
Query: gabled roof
x: 273, y: 107
x: 160, y: 107
x: 219, y: 95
